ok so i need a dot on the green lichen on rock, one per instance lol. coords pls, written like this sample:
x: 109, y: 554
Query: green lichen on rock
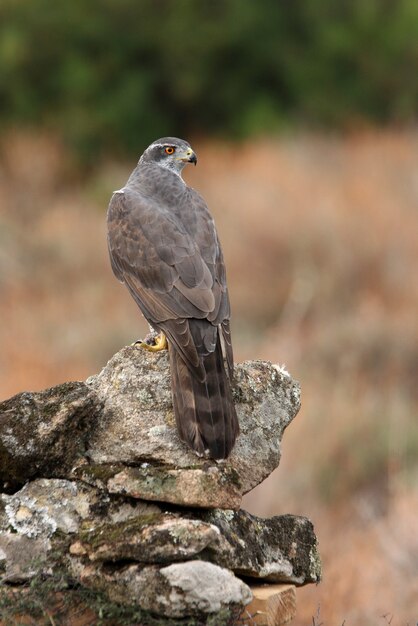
x: 155, y: 480
x: 58, y: 600
x: 97, y: 474
x: 193, y: 589
x: 283, y: 548
x: 149, y: 538
x: 97, y: 535
x: 43, y: 433
x: 130, y: 515
x: 315, y: 571
x: 137, y: 422
x: 205, y: 485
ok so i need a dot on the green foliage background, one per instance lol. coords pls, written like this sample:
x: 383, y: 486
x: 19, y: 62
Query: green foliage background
x: 117, y: 73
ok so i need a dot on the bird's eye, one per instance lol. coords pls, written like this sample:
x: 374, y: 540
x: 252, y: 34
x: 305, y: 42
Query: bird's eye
x: 169, y: 150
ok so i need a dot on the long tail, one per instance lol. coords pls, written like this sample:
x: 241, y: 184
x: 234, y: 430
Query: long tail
x: 204, y: 410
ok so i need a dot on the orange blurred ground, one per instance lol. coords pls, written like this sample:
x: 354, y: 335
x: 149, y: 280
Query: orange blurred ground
x: 320, y: 236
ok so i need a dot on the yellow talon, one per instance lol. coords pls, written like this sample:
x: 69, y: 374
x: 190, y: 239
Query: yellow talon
x: 160, y: 344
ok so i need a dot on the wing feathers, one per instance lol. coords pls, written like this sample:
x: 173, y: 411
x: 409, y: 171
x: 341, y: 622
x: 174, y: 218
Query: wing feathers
x: 150, y: 249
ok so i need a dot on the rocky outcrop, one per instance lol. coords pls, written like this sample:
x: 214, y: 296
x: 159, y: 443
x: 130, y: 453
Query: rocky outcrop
x: 137, y: 420
x: 97, y: 485
x: 280, y: 549
x: 124, y: 415
x: 191, y: 588
x: 41, y: 434
x: 31, y: 519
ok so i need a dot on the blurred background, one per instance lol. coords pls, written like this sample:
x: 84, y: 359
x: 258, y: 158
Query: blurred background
x: 304, y: 118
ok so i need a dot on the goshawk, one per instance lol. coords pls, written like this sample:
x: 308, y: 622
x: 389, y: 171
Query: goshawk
x: 164, y: 247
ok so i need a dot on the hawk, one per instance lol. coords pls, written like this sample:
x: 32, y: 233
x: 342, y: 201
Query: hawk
x: 164, y: 247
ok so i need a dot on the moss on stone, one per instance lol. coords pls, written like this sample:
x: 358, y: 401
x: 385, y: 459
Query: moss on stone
x: 157, y: 480
x: 115, y: 532
x: 316, y: 565
x: 42, y: 433
x: 57, y: 600
x: 230, y: 476
x: 97, y: 473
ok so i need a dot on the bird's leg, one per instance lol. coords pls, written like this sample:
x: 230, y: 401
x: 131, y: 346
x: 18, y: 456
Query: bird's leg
x: 160, y: 343
x: 154, y: 342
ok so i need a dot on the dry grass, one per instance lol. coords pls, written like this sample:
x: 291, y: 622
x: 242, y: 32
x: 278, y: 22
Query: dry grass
x: 321, y: 241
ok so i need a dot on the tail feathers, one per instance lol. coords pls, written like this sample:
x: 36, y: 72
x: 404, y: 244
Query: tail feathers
x: 184, y: 402
x: 204, y: 411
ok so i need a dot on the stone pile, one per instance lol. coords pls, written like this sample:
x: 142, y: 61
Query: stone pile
x: 96, y: 483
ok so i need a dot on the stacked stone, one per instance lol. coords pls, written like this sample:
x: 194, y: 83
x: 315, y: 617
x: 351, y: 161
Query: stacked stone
x: 111, y: 495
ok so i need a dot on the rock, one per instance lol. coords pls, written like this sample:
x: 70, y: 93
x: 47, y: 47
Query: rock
x: 209, y: 486
x: 191, y: 588
x: 196, y: 587
x: 124, y: 416
x: 22, y: 558
x: 148, y: 538
x: 29, y: 520
x: 117, y: 503
x: 41, y: 434
x: 137, y: 423
x: 283, y: 548
x: 37, y: 523
x: 267, y: 400
x: 44, y: 506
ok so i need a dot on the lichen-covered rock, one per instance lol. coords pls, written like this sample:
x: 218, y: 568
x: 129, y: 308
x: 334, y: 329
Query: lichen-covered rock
x: 137, y: 423
x: 148, y: 538
x: 283, y: 548
x: 124, y: 415
x: 124, y: 507
x: 38, y: 522
x: 29, y: 521
x: 191, y: 588
x: 44, y: 506
x: 267, y: 400
x: 208, y: 486
x: 280, y: 549
x: 22, y: 557
x: 195, y: 587
x: 41, y: 434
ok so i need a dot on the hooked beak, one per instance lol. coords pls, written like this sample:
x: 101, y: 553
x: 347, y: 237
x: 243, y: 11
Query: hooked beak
x: 188, y: 156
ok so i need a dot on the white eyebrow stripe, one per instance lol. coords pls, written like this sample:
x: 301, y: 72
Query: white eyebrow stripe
x: 163, y: 145
x: 156, y: 145
x: 159, y: 145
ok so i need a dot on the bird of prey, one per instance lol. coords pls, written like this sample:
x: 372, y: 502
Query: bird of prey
x: 164, y: 247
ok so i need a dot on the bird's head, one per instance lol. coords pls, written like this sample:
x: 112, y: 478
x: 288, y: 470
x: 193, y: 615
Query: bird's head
x: 169, y: 152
